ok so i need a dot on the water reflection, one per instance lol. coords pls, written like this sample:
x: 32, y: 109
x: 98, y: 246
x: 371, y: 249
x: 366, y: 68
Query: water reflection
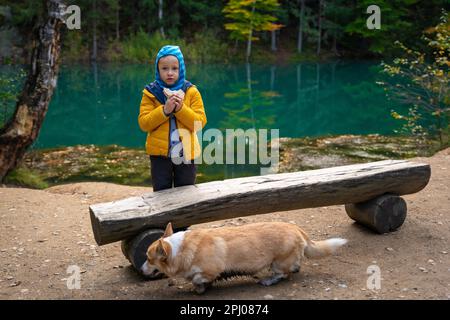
x: 99, y: 104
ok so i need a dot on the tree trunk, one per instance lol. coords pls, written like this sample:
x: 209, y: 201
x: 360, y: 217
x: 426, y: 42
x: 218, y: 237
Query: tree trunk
x: 300, y: 26
x: 319, y: 40
x: 94, y: 37
x: 249, y: 42
x: 274, y: 40
x: 117, y: 21
x: 335, y: 44
x: 23, y: 128
x: 160, y: 18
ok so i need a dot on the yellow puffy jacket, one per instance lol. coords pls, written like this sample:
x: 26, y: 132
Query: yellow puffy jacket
x: 190, y: 118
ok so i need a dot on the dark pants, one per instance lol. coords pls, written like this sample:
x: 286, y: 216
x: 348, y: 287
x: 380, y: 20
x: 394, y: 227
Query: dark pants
x: 165, y: 173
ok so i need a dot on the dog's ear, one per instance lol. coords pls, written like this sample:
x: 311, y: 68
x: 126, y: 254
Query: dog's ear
x: 161, y: 250
x: 169, y: 230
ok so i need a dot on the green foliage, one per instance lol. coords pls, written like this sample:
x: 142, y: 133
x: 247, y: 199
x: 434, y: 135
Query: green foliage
x: 393, y: 18
x: 250, y: 15
x: 204, y: 13
x: 10, y: 85
x: 74, y: 47
x: 119, y: 24
x: 337, y: 14
x: 412, y: 126
x: 421, y: 81
x: 25, y: 177
x: 205, y: 48
x: 142, y: 47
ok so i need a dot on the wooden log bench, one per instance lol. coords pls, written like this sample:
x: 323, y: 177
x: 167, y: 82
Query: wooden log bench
x: 370, y: 192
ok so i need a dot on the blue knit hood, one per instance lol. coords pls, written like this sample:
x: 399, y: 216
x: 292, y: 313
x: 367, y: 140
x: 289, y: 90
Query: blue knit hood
x: 171, y: 51
x: 157, y: 86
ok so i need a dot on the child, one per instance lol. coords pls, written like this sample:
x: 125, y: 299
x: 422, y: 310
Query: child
x: 171, y: 121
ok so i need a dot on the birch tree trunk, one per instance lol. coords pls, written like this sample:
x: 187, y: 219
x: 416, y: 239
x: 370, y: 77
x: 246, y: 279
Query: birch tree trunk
x: 24, y: 126
x: 249, y: 42
x: 160, y: 18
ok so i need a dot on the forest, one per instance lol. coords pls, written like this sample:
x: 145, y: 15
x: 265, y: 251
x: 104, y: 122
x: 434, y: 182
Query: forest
x: 219, y: 31
x: 310, y: 64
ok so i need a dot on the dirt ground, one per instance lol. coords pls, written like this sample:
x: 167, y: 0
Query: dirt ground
x: 43, y: 233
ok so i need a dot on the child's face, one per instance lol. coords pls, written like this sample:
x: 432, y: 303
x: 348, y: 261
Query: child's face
x: 169, y: 69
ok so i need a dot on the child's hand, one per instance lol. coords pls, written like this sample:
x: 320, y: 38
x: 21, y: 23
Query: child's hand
x: 174, y: 100
x: 170, y: 105
x: 180, y: 100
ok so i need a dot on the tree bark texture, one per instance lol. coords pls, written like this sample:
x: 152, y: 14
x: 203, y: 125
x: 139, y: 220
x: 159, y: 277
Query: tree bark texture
x: 24, y: 126
x: 218, y: 200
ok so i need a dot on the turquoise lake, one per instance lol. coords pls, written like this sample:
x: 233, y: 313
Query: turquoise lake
x: 99, y: 104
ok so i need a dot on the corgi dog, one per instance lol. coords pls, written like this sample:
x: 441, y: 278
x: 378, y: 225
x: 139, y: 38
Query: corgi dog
x: 205, y: 255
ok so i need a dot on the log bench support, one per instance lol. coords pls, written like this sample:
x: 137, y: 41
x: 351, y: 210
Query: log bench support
x: 382, y: 214
x: 135, y: 249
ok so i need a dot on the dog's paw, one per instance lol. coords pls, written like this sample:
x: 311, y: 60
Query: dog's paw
x: 266, y: 282
x: 272, y: 280
x: 200, y: 288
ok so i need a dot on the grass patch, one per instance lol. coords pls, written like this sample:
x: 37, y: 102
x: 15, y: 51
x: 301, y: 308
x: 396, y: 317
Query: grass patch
x: 25, y: 177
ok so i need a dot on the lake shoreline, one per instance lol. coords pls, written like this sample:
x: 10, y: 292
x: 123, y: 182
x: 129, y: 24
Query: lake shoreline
x: 45, y: 168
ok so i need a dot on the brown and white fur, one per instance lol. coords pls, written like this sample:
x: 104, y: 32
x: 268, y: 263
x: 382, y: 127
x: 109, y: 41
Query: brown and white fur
x: 204, y: 255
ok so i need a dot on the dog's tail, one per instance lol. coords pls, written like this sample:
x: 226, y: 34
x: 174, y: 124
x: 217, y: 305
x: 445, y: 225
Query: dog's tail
x: 319, y: 249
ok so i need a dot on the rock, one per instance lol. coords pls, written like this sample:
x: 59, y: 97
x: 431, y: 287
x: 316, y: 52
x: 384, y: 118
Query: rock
x: 423, y: 269
x: 327, y: 289
x: 389, y: 249
x: 15, y: 284
x: 268, y: 297
x: 342, y: 285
